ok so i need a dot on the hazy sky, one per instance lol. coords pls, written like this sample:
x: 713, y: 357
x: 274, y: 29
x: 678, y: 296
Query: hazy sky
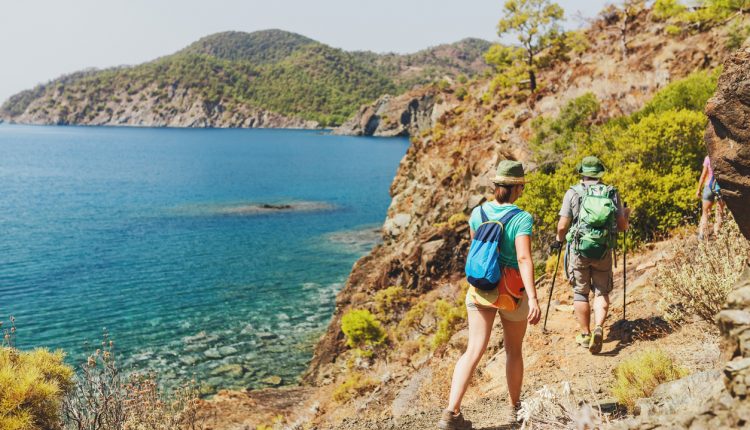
x: 42, y: 39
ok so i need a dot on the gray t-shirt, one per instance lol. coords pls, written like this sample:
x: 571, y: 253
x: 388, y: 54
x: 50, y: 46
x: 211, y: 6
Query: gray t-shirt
x: 572, y: 201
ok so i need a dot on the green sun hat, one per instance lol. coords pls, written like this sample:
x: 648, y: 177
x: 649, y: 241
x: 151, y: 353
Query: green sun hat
x: 592, y: 167
x: 509, y: 172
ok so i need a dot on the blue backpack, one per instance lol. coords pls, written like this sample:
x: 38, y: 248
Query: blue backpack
x: 482, y: 265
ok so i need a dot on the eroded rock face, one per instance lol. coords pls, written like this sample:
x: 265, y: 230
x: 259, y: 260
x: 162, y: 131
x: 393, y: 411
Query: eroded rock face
x: 728, y: 136
x: 404, y: 115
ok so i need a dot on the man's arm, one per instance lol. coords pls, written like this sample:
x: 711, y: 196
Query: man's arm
x: 562, y: 228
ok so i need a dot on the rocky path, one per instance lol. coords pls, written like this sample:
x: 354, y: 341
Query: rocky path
x: 552, y: 358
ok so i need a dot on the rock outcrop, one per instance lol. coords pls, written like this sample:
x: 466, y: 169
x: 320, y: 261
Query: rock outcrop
x: 728, y: 136
x: 404, y: 115
x: 728, y: 140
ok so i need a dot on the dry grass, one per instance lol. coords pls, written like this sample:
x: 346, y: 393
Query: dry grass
x: 437, y: 390
x: 698, y: 279
x: 561, y: 408
x: 637, y: 377
x: 103, y: 398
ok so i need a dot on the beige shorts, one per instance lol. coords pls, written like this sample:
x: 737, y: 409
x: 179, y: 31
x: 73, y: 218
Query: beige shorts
x: 520, y: 314
x: 588, y: 274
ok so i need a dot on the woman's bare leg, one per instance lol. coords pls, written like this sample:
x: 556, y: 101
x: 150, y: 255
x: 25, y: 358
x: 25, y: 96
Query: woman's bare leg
x: 719, y: 216
x: 513, y: 333
x: 705, y: 213
x: 480, y: 329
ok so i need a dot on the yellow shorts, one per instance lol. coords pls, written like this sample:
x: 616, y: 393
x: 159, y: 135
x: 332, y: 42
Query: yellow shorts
x: 520, y: 314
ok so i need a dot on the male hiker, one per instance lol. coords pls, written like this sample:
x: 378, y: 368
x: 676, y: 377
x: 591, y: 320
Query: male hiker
x: 590, y: 235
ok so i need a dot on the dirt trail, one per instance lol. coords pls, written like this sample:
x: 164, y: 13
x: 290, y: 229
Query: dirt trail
x: 553, y: 357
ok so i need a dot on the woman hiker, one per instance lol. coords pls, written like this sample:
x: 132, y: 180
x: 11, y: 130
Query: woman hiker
x: 515, y: 299
x: 709, y: 193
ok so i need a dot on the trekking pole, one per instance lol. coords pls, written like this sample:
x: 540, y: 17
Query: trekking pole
x: 549, y: 300
x: 624, y: 268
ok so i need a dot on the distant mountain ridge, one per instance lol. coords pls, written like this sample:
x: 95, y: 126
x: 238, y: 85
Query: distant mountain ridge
x: 270, y: 78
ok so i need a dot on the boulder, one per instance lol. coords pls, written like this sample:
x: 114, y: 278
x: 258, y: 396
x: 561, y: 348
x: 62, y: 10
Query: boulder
x: 728, y: 136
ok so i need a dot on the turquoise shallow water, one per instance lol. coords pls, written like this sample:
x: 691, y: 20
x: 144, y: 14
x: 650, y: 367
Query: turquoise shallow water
x: 158, y: 236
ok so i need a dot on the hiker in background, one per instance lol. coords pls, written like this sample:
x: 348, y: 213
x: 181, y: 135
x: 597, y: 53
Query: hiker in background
x: 590, y: 236
x: 513, y: 296
x: 709, y: 193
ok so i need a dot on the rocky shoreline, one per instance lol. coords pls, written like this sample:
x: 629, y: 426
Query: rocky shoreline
x: 183, y: 110
x: 408, y: 114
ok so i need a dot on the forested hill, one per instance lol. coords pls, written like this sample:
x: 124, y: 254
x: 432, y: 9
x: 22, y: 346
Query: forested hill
x: 269, y: 78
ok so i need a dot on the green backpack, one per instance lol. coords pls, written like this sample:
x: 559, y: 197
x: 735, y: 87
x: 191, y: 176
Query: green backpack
x: 593, y: 233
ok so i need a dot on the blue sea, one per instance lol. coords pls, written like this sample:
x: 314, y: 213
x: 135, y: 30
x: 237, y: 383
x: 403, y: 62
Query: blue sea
x: 213, y: 254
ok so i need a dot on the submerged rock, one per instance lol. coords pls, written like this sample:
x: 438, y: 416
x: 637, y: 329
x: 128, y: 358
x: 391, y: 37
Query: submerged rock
x: 188, y: 360
x: 273, y: 381
x: 231, y: 370
x: 227, y: 350
x: 212, y: 353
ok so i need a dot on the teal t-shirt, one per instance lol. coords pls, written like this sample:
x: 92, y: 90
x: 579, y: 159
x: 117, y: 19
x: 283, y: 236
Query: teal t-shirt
x: 521, y: 224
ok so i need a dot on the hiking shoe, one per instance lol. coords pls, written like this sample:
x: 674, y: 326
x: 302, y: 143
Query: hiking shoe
x: 583, y: 339
x: 451, y: 421
x: 514, y: 418
x: 597, y: 338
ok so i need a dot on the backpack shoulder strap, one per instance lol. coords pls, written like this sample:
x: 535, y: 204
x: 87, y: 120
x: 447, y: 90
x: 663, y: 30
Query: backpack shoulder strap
x: 509, y: 215
x: 579, y: 189
x: 485, y: 218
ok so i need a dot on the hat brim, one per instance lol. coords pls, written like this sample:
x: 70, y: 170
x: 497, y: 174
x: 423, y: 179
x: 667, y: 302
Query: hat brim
x: 509, y: 180
x: 592, y: 174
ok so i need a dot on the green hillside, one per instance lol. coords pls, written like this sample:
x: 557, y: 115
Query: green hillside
x: 260, y: 47
x: 271, y: 70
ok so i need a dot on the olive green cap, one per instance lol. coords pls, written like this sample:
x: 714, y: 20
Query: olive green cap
x: 509, y: 172
x: 592, y: 167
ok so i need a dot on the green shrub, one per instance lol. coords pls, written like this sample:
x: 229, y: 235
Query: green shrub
x: 32, y: 387
x: 362, y: 329
x: 691, y: 92
x: 457, y: 219
x: 388, y: 301
x: 557, y: 136
x: 449, y: 316
x: 667, y: 9
x: 577, y: 41
x: 461, y: 93
x: 639, y: 375
x: 654, y: 157
x: 412, y: 320
x: 655, y: 163
x: 673, y: 30
x: 354, y: 385
x: 736, y: 35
